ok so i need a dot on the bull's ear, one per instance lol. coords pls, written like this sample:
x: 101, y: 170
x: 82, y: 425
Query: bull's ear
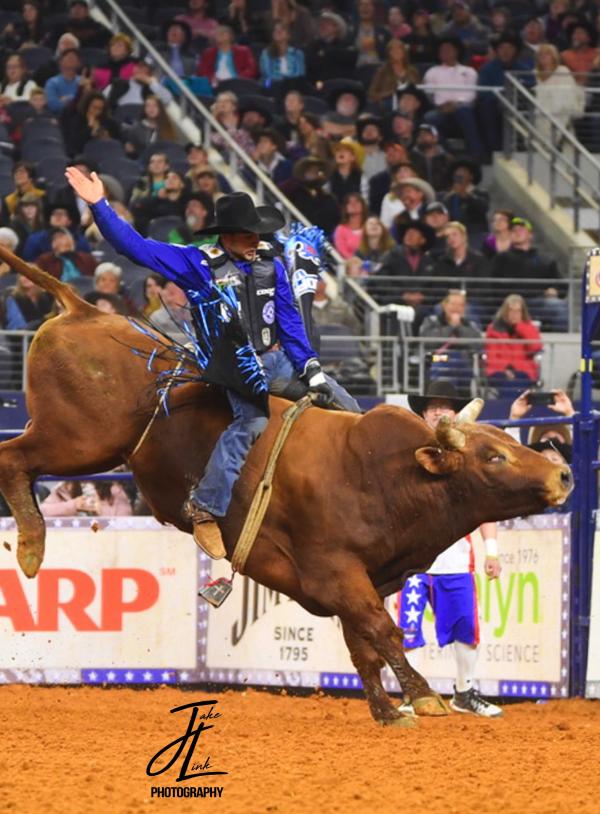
x: 438, y: 461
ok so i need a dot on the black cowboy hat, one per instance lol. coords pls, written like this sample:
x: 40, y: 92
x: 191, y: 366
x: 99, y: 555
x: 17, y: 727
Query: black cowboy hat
x: 464, y: 161
x: 258, y: 104
x: 420, y: 95
x: 426, y: 230
x: 439, y: 389
x: 310, y: 161
x: 365, y: 119
x: 70, y: 208
x: 236, y: 213
x: 184, y: 27
x: 334, y: 88
x: 454, y: 41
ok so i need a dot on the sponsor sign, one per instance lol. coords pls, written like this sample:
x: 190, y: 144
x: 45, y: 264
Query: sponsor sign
x: 592, y: 687
x: 108, y: 600
x: 261, y: 636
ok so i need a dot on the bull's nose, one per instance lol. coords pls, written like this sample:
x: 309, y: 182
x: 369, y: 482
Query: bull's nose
x: 566, y: 479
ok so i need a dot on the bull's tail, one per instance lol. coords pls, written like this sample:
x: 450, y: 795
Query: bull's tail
x: 62, y: 292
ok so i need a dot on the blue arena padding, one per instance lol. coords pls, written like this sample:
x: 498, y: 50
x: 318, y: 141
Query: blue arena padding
x: 585, y: 494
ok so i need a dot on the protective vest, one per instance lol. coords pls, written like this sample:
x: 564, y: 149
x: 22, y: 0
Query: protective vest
x: 255, y: 292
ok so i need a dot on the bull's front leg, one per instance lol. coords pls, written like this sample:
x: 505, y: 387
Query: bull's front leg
x: 363, y: 613
x: 369, y: 666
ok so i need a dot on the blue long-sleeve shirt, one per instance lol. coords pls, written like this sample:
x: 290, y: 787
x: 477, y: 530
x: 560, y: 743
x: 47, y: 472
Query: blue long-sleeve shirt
x: 188, y: 268
x: 58, y: 89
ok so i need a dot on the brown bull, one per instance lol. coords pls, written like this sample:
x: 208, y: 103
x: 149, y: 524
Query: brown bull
x: 358, y: 501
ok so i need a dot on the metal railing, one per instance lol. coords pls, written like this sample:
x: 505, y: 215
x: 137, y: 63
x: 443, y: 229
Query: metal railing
x: 553, y: 154
x: 465, y: 362
x: 13, y: 359
x: 485, y: 295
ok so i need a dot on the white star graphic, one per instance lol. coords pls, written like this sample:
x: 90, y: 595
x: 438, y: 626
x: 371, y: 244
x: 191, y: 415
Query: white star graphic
x: 514, y: 689
x: 129, y: 676
x: 184, y: 675
x: 110, y: 676
x: 563, y: 691
x: 414, y: 581
x: 412, y: 597
x: 92, y: 676
x: 412, y: 615
x: 523, y: 689
x: 533, y: 689
x: 543, y: 690
x: 147, y: 676
x: 166, y: 675
x: 553, y: 690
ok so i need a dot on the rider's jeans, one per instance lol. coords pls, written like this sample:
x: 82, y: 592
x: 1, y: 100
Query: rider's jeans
x: 213, y: 493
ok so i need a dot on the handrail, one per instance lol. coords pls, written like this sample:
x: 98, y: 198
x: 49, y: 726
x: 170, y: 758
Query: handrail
x: 584, y: 188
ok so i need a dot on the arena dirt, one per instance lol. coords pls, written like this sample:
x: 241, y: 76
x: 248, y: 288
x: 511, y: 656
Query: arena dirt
x: 85, y: 750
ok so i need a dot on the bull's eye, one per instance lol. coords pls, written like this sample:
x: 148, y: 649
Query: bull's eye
x: 497, y: 458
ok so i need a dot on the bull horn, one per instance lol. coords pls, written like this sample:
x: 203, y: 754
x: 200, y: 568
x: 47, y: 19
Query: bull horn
x: 469, y: 413
x: 448, y: 435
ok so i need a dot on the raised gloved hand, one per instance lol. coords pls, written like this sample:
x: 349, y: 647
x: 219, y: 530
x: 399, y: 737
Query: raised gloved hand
x: 317, y: 383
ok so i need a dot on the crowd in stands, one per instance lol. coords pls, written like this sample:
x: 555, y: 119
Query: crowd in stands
x: 328, y: 100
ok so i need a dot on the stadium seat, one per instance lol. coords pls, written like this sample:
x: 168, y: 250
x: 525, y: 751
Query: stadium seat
x: 127, y: 171
x: 99, y: 149
x: 19, y: 112
x: 92, y: 56
x: 128, y: 113
x: 37, y: 128
x: 36, y: 56
x: 7, y: 184
x: 159, y: 228
x: 241, y: 87
x: 312, y: 104
x: 51, y: 170
x: 32, y: 149
x: 161, y: 15
x: 174, y: 152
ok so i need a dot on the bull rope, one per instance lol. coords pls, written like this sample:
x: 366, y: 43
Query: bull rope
x: 262, y: 495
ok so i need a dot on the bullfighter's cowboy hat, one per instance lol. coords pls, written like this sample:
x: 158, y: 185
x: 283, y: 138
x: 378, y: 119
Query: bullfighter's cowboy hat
x: 236, y: 212
x: 439, y: 389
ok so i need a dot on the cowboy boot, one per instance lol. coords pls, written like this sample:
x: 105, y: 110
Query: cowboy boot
x: 207, y: 534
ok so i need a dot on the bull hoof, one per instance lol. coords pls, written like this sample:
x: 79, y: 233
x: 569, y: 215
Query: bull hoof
x: 30, y: 558
x: 431, y: 705
x: 401, y: 720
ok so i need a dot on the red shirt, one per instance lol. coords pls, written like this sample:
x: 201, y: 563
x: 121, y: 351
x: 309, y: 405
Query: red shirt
x: 517, y: 355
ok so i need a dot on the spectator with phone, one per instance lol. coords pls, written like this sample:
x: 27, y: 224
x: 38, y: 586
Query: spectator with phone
x: 511, y: 364
x: 558, y: 402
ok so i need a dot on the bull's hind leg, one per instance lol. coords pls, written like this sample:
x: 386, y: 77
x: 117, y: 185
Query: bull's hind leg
x: 16, y: 484
x: 369, y: 666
